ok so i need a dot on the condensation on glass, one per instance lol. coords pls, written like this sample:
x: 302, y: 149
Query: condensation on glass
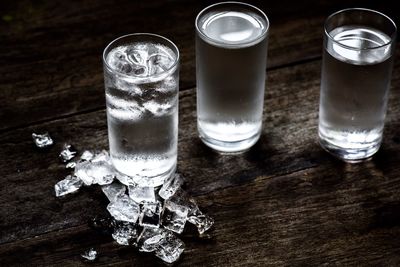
x: 141, y: 75
x: 231, y: 57
x: 356, y: 72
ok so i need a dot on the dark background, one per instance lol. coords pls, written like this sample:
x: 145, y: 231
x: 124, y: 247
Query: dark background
x: 285, y: 202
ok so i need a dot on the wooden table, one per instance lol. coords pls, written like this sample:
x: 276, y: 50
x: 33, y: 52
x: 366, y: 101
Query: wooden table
x: 285, y: 202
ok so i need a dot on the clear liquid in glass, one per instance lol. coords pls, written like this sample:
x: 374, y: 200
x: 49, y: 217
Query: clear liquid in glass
x: 354, y: 90
x: 231, y: 51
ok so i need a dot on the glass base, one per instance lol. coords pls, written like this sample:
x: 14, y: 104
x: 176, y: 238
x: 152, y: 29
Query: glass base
x: 229, y: 147
x: 350, y: 155
x: 145, y: 181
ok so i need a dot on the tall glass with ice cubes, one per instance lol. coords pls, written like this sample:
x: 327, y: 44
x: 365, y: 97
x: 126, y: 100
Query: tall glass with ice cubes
x: 231, y: 58
x: 141, y: 76
x: 356, y: 72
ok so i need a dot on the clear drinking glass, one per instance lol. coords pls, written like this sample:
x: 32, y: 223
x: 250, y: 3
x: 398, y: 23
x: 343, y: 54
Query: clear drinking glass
x: 231, y: 56
x: 141, y: 75
x: 356, y: 72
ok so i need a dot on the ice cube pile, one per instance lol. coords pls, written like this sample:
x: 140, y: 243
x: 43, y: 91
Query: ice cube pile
x: 145, y: 217
x: 141, y: 59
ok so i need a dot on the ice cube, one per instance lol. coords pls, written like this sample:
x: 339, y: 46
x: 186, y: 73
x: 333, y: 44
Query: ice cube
x: 113, y: 191
x: 159, y: 62
x: 170, y: 186
x: 82, y: 171
x: 67, y: 153
x: 195, y: 216
x: 150, y: 214
x: 142, y: 194
x: 158, y: 109
x: 101, y: 156
x: 202, y: 221
x: 129, y: 60
x: 69, y: 185
x: 97, y: 171
x: 150, y: 238
x: 125, y: 179
x: 90, y: 254
x: 70, y: 165
x: 125, y: 233
x: 161, y: 59
x: 182, y: 198
x: 174, y: 216
x: 137, y: 56
x: 170, y: 248
x: 87, y: 155
x: 42, y: 140
x: 117, y: 60
x: 169, y: 85
x: 124, y: 209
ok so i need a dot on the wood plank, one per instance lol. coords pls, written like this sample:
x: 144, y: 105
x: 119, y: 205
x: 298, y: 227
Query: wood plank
x: 50, y: 53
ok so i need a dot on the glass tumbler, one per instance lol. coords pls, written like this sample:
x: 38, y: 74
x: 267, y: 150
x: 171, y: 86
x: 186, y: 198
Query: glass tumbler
x: 231, y: 58
x: 356, y: 72
x: 141, y: 76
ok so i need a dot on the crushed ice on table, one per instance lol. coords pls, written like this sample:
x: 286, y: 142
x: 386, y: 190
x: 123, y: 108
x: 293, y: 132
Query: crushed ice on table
x: 162, y: 242
x: 69, y: 185
x: 170, y: 248
x: 142, y: 194
x: 98, y: 170
x: 124, y: 209
x: 113, y: 191
x: 170, y: 186
x: 42, y: 140
x: 174, y: 216
x: 202, y: 221
x: 150, y: 214
x: 90, y: 254
x: 125, y: 179
x: 67, y: 153
x: 125, y: 233
x: 87, y: 155
x: 155, y: 213
x: 149, y: 238
x: 70, y: 165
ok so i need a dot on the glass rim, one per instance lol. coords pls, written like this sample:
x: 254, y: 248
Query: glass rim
x: 242, y: 45
x: 392, y: 37
x: 138, y: 78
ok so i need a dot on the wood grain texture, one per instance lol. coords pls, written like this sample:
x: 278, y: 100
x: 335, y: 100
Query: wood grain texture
x: 50, y: 51
x: 285, y: 202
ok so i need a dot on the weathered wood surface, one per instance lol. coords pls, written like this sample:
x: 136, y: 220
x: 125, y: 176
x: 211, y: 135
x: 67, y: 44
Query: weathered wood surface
x: 285, y: 202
